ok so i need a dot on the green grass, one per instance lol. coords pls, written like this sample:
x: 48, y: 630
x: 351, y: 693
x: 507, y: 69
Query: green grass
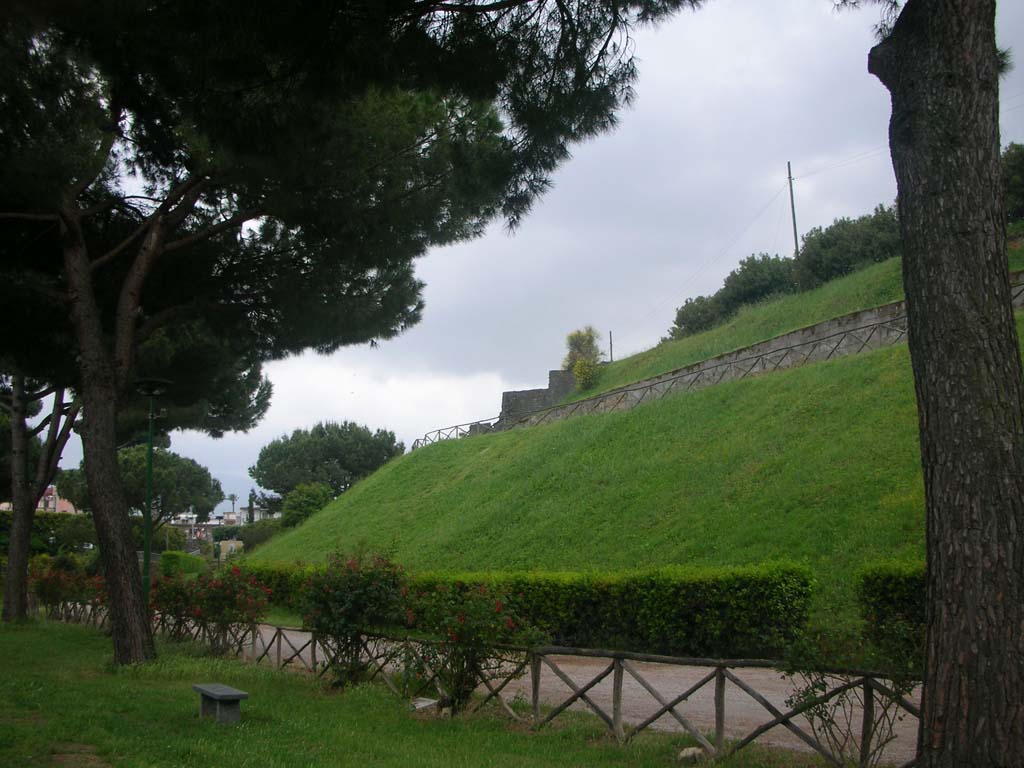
x: 869, y: 287
x: 817, y: 464
x: 61, y: 703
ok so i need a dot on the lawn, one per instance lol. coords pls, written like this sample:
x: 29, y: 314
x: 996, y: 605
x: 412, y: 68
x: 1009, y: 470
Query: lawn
x: 63, y: 704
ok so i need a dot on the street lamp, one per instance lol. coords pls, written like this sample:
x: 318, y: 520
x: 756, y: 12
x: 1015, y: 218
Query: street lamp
x: 150, y: 388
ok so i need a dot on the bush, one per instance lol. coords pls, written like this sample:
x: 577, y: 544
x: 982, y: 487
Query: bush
x: 257, y: 533
x: 891, y: 599
x: 64, y: 579
x: 696, y: 315
x: 303, y: 501
x: 472, y: 622
x: 726, y: 612
x: 219, y: 604
x: 585, y: 373
x: 353, y: 595
x: 757, y: 277
x: 222, y: 532
x: 581, y: 345
x: 180, y: 564
x: 846, y: 245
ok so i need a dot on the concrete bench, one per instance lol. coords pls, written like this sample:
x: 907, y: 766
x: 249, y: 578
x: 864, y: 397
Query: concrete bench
x: 220, y: 701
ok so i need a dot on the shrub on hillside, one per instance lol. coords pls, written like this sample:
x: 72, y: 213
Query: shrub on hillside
x: 846, y: 245
x: 581, y: 345
x: 257, y: 533
x: 585, y: 373
x: 305, y: 500
x: 697, y: 314
x: 756, y: 278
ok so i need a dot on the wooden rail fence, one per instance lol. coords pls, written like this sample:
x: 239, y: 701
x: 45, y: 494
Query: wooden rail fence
x: 385, y: 658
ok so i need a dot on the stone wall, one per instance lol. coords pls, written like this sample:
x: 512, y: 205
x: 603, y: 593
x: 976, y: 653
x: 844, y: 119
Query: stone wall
x: 519, y: 403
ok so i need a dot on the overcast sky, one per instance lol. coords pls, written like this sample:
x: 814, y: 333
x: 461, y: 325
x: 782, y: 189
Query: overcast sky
x: 692, y: 181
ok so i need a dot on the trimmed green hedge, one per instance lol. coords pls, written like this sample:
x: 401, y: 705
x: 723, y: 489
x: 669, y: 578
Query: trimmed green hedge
x: 723, y: 612
x: 180, y: 564
x: 891, y: 596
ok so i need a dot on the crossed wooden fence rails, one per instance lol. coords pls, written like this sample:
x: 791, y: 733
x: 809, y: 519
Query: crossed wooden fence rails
x: 851, y: 341
x: 386, y: 659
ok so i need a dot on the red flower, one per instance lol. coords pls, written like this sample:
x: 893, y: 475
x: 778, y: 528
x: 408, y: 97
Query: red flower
x: 498, y: 607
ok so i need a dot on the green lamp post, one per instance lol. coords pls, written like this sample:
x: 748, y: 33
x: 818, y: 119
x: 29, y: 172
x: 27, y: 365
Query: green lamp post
x: 149, y: 388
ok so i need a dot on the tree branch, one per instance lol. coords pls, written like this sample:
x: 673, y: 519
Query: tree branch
x: 499, y: 5
x: 230, y: 223
x: 102, y: 155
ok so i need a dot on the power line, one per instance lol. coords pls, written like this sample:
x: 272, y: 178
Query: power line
x: 659, y: 306
x: 865, y: 155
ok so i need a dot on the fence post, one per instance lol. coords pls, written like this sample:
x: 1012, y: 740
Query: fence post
x: 719, y: 711
x: 535, y: 686
x: 867, y: 726
x: 312, y: 649
x: 279, y: 648
x: 620, y: 735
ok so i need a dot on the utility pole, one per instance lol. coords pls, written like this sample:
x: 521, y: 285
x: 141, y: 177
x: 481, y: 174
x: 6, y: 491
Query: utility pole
x: 611, y: 348
x: 792, y: 209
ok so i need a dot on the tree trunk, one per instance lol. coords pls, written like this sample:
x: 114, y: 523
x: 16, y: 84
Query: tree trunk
x: 940, y: 66
x: 98, y: 390
x: 23, y: 508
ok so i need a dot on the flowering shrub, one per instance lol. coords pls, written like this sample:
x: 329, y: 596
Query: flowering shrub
x: 55, y: 582
x: 218, y: 604
x: 353, y: 595
x: 471, y: 623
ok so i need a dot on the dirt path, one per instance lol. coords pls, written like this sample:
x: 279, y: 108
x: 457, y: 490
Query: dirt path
x: 743, y: 713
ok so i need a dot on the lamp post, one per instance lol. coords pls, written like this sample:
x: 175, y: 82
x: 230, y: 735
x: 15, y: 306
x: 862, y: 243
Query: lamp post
x: 149, y: 388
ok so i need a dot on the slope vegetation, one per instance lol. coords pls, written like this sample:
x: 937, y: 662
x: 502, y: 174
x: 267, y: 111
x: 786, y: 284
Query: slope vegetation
x: 868, y: 287
x: 817, y: 464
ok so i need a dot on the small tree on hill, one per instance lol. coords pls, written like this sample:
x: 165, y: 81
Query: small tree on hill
x: 582, y: 345
x: 332, y: 453
x: 304, y: 500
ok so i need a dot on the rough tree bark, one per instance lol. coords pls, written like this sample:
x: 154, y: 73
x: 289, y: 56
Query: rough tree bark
x: 99, y: 390
x: 22, y: 511
x: 940, y: 65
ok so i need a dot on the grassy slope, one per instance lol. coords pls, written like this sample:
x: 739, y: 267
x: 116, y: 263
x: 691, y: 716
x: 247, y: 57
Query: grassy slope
x: 818, y: 464
x: 869, y: 287
x: 80, y: 712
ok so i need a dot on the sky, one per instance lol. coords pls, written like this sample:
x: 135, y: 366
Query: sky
x: 692, y: 180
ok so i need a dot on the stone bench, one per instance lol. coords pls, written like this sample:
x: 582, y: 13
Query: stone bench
x: 220, y: 701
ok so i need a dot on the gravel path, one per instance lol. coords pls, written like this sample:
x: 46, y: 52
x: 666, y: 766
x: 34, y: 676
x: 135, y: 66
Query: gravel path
x: 743, y: 713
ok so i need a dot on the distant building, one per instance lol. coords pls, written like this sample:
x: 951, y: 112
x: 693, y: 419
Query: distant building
x: 51, y: 502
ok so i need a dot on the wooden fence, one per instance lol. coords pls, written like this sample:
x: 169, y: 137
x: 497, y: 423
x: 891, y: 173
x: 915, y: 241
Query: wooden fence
x: 385, y: 657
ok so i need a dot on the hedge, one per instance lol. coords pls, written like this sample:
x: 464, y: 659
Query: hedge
x: 180, y: 563
x: 891, y: 596
x: 723, y: 612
